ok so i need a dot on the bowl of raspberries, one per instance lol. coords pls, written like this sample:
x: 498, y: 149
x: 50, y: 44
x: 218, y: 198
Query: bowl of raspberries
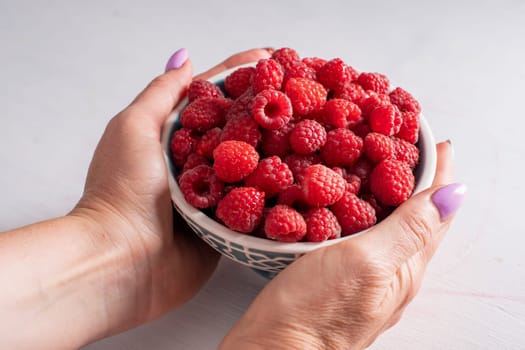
x: 271, y: 160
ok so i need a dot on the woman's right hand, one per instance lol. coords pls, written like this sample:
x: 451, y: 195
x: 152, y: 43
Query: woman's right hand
x: 345, y: 295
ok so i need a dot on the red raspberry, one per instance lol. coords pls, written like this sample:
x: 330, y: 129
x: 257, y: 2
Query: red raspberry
x: 203, y: 88
x: 201, y: 187
x: 409, y: 130
x: 193, y: 161
x: 241, y: 209
x: 284, y: 224
x: 363, y: 168
x: 272, y: 109
x: 372, y: 102
x: 276, y: 142
x: 382, y: 211
x: 208, y: 142
x: 268, y: 75
x: 298, y: 69
x: 378, y: 147
x: 342, y: 148
x: 314, y: 62
x: 292, y: 196
x: 404, y: 101
x: 233, y: 160
x: 385, y: 119
x: 321, y: 224
x: 307, y: 137
x: 353, y: 214
x: 299, y: 163
x: 334, y: 74
x: 353, y: 182
x: 341, y: 113
x: 285, y: 56
x: 307, y: 96
x: 374, y: 81
x: 271, y: 176
x: 361, y: 129
x: 239, y: 81
x: 406, y: 152
x: 205, y: 113
x: 322, y: 186
x: 242, y: 128
x: 351, y: 92
x: 183, y: 143
x: 392, y: 182
x: 242, y: 105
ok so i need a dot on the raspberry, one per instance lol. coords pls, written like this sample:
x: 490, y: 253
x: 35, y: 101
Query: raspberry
x: 314, y: 62
x: 292, y: 196
x: 382, y: 211
x: 307, y: 96
x: 353, y: 182
x: 239, y: 81
x: 208, y: 142
x: 242, y: 128
x: 242, y: 105
x: 299, y: 163
x: 298, y: 69
x: 321, y: 224
x: 271, y: 176
x: 201, y: 187
x: 342, y: 148
x: 268, y: 75
x: 353, y: 214
x: 284, y: 224
x: 334, y: 74
x: 285, y: 56
x: 351, y: 92
x: 392, y: 182
x: 233, y: 160
x: 374, y: 81
x: 203, y: 88
x: 361, y: 129
x: 409, y: 130
x: 363, y: 168
x: 406, y: 152
x: 322, y: 186
x: 341, y: 113
x: 271, y: 109
x: 378, y: 147
x: 307, y: 137
x: 404, y: 101
x: 241, y: 209
x: 205, y: 113
x: 385, y: 119
x: 193, y: 161
x: 183, y: 143
x: 372, y: 102
x: 276, y: 142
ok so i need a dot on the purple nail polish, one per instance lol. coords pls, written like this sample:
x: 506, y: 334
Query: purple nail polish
x: 448, y: 199
x: 177, y: 59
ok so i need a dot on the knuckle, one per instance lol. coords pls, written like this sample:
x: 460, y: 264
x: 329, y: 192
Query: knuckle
x: 418, y: 229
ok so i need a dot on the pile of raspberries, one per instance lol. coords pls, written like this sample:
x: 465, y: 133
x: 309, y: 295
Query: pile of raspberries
x: 297, y: 149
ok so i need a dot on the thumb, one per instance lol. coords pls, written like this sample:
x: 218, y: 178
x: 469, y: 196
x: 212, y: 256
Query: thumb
x: 159, y: 98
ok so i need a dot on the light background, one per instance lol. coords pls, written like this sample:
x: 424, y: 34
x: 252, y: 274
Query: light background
x: 66, y: 67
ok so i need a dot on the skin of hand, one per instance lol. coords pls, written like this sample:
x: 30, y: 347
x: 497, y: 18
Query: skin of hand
x: 344, y: 296
x: 121, y: 257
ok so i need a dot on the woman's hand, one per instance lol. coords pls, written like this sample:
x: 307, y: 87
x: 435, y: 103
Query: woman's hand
x: 345, y: 295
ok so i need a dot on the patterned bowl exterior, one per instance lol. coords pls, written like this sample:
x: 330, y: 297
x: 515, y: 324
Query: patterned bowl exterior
x: 267, y: 257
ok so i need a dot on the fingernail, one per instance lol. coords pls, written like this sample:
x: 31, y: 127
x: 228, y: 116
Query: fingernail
x: 451, y: 146
x: 177, y: 59
x: 448, y: 199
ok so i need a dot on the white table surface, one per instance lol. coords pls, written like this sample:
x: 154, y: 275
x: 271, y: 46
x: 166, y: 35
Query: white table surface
x: 67, y: 66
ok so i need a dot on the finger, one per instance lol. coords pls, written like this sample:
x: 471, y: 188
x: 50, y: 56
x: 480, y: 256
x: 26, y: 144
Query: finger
x: 236, y: 60
x: 418, y: 225
x: 159, y: 98
x: 445, y: 164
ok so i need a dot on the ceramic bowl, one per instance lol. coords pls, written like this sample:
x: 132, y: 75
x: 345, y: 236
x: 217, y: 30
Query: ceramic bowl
x: 265, y: 256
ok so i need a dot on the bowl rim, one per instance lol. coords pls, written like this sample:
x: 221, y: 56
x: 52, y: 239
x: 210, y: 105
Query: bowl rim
x: 427, y: 169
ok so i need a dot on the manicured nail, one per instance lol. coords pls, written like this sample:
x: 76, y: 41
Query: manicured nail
x: 448, y: 199
x: 177, y: 59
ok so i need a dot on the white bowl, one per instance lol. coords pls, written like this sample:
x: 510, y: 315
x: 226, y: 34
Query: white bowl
x: 266, y: 256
